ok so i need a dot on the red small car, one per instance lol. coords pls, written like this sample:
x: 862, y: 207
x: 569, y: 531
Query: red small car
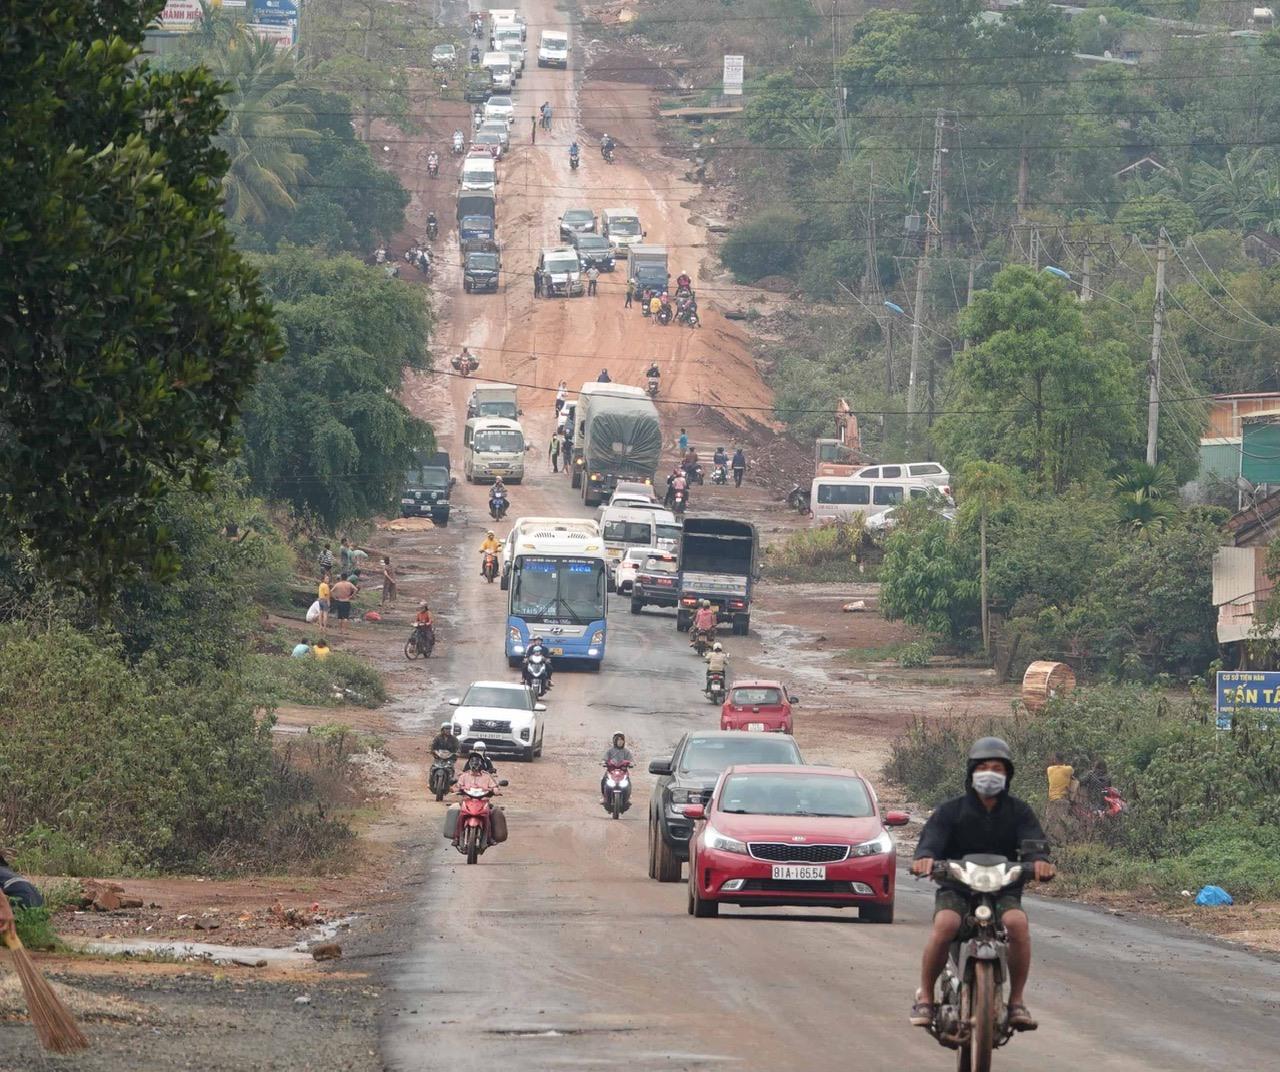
x: 792, y: 835
x: 757, y: 704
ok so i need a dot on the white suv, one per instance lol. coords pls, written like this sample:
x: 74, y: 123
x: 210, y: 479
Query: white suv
x: 929, y: 472
x: 502, y: 714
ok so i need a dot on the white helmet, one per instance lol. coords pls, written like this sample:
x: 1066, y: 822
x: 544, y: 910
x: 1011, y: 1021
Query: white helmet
x: 446, y: 725
x: 716, y: 646
x: 478, y: 747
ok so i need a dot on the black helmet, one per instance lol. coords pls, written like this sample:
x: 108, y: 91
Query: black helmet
x: 475, y: 761
x: 988, y: 748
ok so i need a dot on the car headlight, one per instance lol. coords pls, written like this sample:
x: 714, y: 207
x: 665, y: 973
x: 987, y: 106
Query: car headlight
x: 713, y: 839
x: 597, y: 637
x: 517, y: 641
x: 875, y: 847
x: 682, y: 796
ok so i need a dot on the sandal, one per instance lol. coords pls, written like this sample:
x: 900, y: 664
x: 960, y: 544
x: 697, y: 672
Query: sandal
x: 1020, y: 1018
x: 922, y: 1013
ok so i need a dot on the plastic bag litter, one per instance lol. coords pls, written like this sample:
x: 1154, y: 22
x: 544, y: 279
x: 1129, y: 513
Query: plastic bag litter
x: 1213, y: 895
x: 313, y: 612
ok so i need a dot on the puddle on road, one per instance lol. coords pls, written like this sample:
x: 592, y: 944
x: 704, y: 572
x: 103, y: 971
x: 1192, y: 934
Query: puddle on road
x: 216, y: 954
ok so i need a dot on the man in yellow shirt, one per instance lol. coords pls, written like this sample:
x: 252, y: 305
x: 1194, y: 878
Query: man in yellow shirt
x: 1058, y: 810
x: 491, y: 543
x: 322, y: 597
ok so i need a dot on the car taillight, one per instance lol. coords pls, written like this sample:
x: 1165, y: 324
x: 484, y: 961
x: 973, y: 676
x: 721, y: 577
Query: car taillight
x: 687, y: 602
x: 736, y: 604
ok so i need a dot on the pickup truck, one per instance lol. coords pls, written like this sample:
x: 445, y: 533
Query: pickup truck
x: 655, y: 584
x: 717, y: 563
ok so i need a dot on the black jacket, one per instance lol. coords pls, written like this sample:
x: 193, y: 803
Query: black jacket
x: 961, y: 827
x: 445, y: 741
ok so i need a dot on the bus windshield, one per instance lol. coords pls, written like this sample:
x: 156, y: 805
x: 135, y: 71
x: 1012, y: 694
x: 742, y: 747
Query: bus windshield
x: 558, y: 589
x: 498, y: 441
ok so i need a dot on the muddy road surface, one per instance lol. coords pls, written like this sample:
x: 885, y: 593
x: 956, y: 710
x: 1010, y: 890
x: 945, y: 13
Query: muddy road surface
x: 557, y: 951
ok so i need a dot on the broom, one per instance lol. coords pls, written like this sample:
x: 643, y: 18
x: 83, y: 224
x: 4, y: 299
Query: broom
x: 55, y: 1027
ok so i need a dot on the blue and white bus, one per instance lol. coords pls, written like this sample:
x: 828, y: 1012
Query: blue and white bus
x: 557, y: 588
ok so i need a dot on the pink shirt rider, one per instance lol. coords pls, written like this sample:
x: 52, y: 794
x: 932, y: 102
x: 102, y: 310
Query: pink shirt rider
x: 477, y: 780
x: 705, y: 618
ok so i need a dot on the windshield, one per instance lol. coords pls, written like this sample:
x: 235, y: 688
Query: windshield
x: 498, y: 409
x: 717, y: 753
x: 487, y: 137
x: 593, y: 244
x: 670, y: 533
x: 499, y: 441
x: 624, y: 225
x: 554, y: 589
x: 499, y: 102
x: 562, y: 263
x: 489, y: 262
x: 427, y: 478
x: 752, y: 697
x: 796, y: 794
x: 628, y: 532
x: 490, y: 696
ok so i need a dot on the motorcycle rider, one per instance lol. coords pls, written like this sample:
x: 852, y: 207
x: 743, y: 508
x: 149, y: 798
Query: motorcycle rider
x: 689, y: 463
x: 477, y: 774
x: 445, y: 741
x: 537, y: 646
x: 614, y: 756
x: 606, y: 146
x: 573, y: 153
x: 491, y: 542
x: 467, y: 361
x: 717, y: 663
x: 433, y: 162
x: 497, y: 493
x: 704, y: 621
x: 721, y: 457
x: 433, y: 225
x: 675, y: 482
x: 604, y: 376
x: 479, y: 749
x: 457, y: 141
x: 423, y: 624
x: 986, y: 819
x: 683, y: 282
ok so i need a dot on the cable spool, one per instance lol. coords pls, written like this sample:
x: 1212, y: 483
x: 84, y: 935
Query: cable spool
x: 1045, y: 681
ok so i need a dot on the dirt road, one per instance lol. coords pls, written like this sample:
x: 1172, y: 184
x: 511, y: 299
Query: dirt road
x: 557, y: 951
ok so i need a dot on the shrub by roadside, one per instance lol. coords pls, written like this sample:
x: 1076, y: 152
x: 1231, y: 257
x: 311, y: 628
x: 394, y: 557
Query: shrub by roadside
x: 827, y: 553
x: 1203, y: 806
x: 338, y: 679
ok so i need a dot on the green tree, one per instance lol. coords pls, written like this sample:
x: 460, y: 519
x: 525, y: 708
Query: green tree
x: 984, y: 487
x: 325, y: 430
x: 131, y: 330
x: 929, y: 575
x: 1033, y: 392
x: 1145, y: 216
x: 1142, y: 494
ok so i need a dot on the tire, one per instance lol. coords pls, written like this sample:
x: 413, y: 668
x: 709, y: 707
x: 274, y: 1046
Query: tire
x: 471, y: 839
x: 466, y: 287
x: 653, y: 850
x: 527, y: 755
x: 410, y: 648
x: 682, y: 622
x: 983, y: 1003
x: 615, y: 806
x: 876, y: 913
x: 444, y: 522
x: 610, y: 585
x: 575, y: 480
x: 636, y: 606
x: 537, y: 748
x: 697, y: 906
x: 666, y: 864
x: 441, y: 786
x: 742, y: 625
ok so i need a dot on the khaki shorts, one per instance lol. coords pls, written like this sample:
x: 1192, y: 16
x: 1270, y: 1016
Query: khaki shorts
x: 957, y: 902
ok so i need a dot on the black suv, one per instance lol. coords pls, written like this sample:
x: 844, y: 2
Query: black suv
x: 592, y: 249
x: 689, y: 776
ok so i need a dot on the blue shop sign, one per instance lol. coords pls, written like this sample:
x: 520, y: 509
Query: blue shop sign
x: 1247, y: 690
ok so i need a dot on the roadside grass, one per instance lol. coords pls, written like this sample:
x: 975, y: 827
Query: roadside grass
x: 331, y: 682
x: 908, y: 654
x: 835, y: 552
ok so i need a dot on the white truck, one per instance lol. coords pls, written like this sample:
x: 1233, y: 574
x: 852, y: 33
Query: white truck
x: 553, y: 49
x: 621, y: 226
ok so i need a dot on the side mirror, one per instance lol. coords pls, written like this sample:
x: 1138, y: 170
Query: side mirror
x: 895, y: 818
x: 504, y: 783
x: 453, y: 480
x: 793, y: 699
x: 694, y: 811
x: 455, y: 702
x: 660, y: 766
x: 539, y: 707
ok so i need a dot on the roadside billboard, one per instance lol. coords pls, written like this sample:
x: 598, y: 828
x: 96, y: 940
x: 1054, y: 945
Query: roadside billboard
x: 275, y: 12
x: 1247, y: 690
x: 280, y: 35
x: 180, y: 16
x: 733, y: 70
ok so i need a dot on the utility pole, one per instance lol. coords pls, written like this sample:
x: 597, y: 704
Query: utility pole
x: 1086, y: 276
x: 931, y: 232
x: 845, y: 154
x: 871, y: 277
x: 1153, y: 372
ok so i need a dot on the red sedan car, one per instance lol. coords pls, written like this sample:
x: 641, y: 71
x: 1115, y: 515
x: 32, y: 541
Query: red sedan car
x: 787, y: 835
x: 757, y: 704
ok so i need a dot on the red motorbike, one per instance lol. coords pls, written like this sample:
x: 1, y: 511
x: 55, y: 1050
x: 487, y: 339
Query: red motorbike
x: 489, y: 567
x: 479, y: 824
x: 617, y: 788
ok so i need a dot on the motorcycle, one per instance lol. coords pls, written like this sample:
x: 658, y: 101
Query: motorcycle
x: 535, y: 675
x: 702, y: 641
x: 646, y: 296
x: 477, y: 119
x: 678, y: 502
x: 457, y: 143
x: 433, y: 165
x: 489, y: 568
x: 476, y: 819
x: 798, y: 499
x: 465, y: 366
x: 971, y: 1014
x: 433, y: 228
x: 573, y: 161
x: 498, y: 505
x: 441, y: 775
x: 617, y: 788
x: 664, y: 314
x: 651, y: 387
x: 715, y: 686
x: 720, y: 474
x: 607, y: 153
x: 422, y: 641
x: 477, y: 27
x: 693, y: 474
x: 689, y: 316
x: 475, y: 54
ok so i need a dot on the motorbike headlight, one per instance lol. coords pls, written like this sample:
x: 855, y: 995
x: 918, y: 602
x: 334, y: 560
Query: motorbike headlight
x: 984, y: 879
x: 713, y: 839
x: 877, y: 846
x: 597, y: 637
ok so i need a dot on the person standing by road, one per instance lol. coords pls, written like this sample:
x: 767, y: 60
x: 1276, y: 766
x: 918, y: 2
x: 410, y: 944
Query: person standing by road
x: 553, y: 452
x: 562, y: 392
x: 546, y: 115
x: 325, y: 560
x: 388, y: 582
x: 683, y: 442
x: 739, y: 467
x: 345, y: 558
x: 323, y: 592
x: 343, y: 593
x: 1058, y: 810
x: 593, y: 274
x: 537, y: 282
x: 631, y: 292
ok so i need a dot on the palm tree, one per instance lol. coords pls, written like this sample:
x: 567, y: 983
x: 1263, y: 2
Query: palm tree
x: 985, y: 486
x: 1144, y: 494
x: 263, y: 131
x: 1234, y: 195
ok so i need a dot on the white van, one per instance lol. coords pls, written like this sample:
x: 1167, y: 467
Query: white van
x: 479, y: 173
x: 498, y: 64
x: 832, y: 497
x: 930, y: 472
x: 553, y: 49
x: 562, y: 272
x: 624, y: 528
x: 507, y: 16
x: 621, y: 226
x: 507, y: 39
x: 493, y: 447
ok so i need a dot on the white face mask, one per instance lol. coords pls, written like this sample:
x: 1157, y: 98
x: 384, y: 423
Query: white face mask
x: 988, y: 783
